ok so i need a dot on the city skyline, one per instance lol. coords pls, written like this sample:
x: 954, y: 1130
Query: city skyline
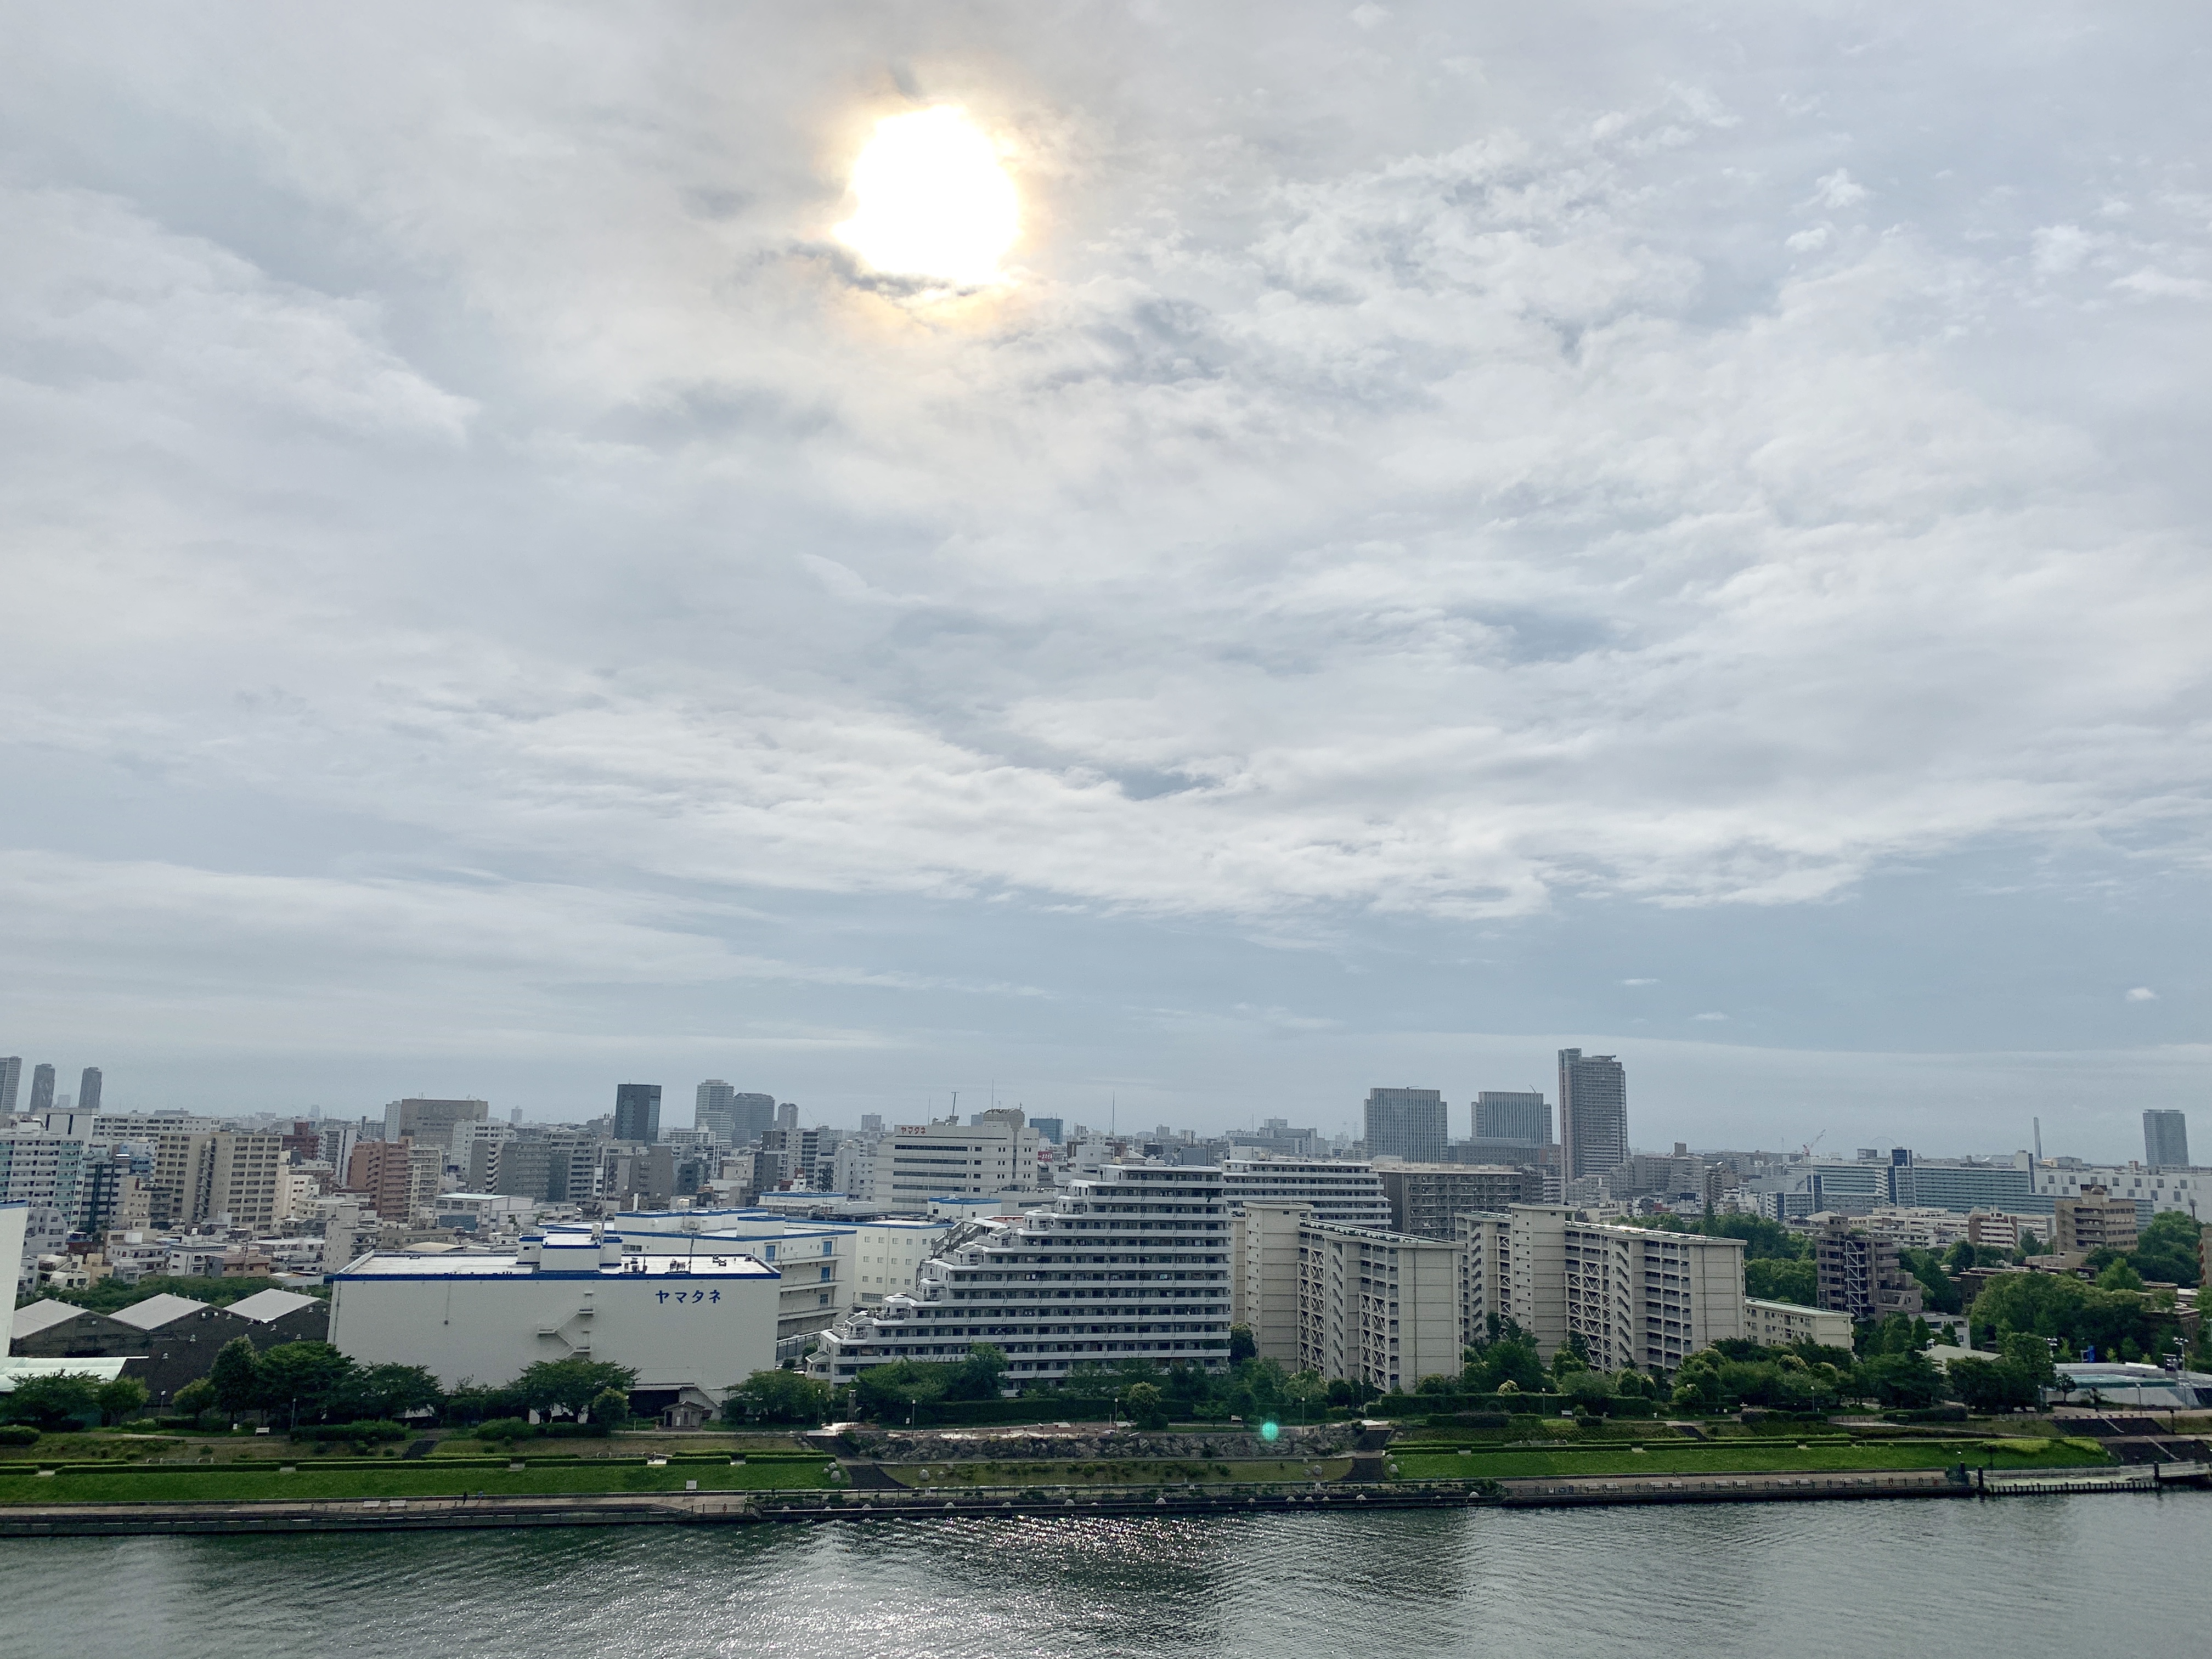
x: 1682, y: 554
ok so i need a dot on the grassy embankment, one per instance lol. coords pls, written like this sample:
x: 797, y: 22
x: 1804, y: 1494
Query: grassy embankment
x: 1681, y: 1457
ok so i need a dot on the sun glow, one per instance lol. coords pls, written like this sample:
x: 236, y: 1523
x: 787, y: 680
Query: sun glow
x: 933, y: 200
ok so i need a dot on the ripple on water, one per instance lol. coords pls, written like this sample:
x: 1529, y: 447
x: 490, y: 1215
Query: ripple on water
x: 1932, y: 1579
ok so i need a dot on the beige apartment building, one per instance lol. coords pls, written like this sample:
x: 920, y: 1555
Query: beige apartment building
x: 224, y: 1176
x: 1377, y: 1307
x: 2094, y: 1221
x: 1264, y: 1276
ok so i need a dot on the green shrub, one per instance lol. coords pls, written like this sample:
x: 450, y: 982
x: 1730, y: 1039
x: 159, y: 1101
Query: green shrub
x: 506, y: 1428
x: 18, y: 1434
x: 370, y: 1431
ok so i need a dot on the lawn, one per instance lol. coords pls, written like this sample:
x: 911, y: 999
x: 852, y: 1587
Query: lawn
x: 1146, y: 1473
x: 420, y: 1478
x: 1678, y: 1458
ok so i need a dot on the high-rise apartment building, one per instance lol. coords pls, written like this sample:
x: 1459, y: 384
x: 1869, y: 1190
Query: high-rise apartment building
x: 1374, y: 1307
x: 1337, y: 1191
x: 42, y: 1090
x: 1524, y: 1116
x: 2094, y: 1220
x: 787, y: 1116
x: 637, y: 1112
x: 1860, y: 1273
x: 432, y: 1122
x: 1593, y: 1113
x: 560, y: 1168
x: 88, y: 1089
x: 11, y: 1079
x: 223, y: 1176
x: 1265, y: 1275
x: 1636, y: 1296
x: 1425, y: 1199
x: 2165, y: 1139
x: 1132, y: 1265
x: 394, y: 1178
x: 1407, y: 1123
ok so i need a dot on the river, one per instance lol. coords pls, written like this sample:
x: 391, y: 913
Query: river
x: 2019, y: 1576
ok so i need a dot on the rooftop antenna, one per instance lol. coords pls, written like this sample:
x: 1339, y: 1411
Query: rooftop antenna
x: 2038, y: 1140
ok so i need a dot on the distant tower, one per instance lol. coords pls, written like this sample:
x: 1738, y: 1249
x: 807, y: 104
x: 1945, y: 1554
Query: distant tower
x: 1526, y: 1116
x: 1593, y: 1113
x: 787, y: 1116
x: 11, y: 1079
x: 42, y: 1090
x: 637, y: 1112
x: 88, y: 1089
x: 2165, y: 1139
x: 715, y: 1110
x: 1407, y: 1123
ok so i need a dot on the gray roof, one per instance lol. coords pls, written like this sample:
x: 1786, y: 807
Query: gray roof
x: 42, y: 1315
x: 156, y: 1311
x: 270, y: 1304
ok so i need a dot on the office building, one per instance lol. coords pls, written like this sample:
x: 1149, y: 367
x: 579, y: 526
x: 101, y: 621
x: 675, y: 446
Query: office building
x: 1407, y: 1123
x: 2152, y: 1191
x: 1677, y: 1175
x: 683, y: 1319
x: 1053, y: 1129
x: 1636, y: 1296
x: 225, y: 1177
x: 637, y: 1112
x: 547, y: 1165
x: 1525, y: 1117
x: 2093, y: 1220
x: 1593, y: 1113
x: 11, y: 1080
x: 1961, y: 1184
x: 1860, y: 1274
x: 1276, y: 1138
x: 916, y: 1162
x: 88, y: 1089
x: 42, y: 1090
x: 1374, y: 1307
x: 1425, y: 1199
x: 734, y: 1118
x: 2165, y: 1139
x: 787, y: 1116
x: 1131, y: 1265
x: 432, y: 1122
x: 1350, y: 1193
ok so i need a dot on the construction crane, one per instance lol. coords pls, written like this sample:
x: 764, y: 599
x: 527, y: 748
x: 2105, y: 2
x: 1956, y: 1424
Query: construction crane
x: 1807, y: 1150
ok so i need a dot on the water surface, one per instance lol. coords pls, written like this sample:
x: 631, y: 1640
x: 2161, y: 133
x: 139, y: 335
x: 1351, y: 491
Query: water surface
x: 2018, y: 1577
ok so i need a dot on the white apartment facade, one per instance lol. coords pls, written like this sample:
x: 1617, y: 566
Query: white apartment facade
x: 887, y: 1255
x: 1783, y: 1324
x: 1264, y: 1291
x: 1340, y: 1191
x: 1132, y: 1265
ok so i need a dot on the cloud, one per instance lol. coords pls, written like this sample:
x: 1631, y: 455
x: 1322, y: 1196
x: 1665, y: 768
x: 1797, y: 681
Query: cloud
x: 1639, y: 981
x: 1709, y: 1017
x: 2143, y: 993
x: 1369, y: 509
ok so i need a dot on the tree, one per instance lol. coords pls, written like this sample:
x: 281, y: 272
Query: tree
x: 1242, y: 1345
x: 57, y: 1401
x: 1305, y: 1390
x: 976, y: 1377
x: 195, y: 1397
x: 1990, y: 1385
x: 1940, y: 1294
x: 390, y: 1392
x: 611, y: 1409
x: 2167, y: 1249
x: 568, y: 1387
x: 1146, y: 1405
x: 776, y: 1397
x: 299, y: 1378
x: 1902, y: 1382
x: 2119, y: 1275
x: 895, y: 1391
x: 235, y: 1377
x: 1777, y: 1279
x: 121, y: 1400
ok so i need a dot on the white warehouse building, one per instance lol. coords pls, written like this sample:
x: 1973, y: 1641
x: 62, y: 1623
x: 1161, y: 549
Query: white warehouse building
x: 681, y: 1320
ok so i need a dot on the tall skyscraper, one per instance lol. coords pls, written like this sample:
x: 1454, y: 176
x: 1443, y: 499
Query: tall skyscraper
x: 1407, y: 1123
x: 88, y: 1089
x: 787, y: 1116
x: 2165, y: 1139
x: 1593, y: 1113
x: 42, y: 1090
x: 637, y: 1111
x: 11, y: 1079
x: 716, y: 1111
x: 1500, y: 1116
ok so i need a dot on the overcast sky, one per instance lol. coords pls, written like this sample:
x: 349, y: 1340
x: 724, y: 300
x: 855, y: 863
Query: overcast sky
x: 1672, y: 529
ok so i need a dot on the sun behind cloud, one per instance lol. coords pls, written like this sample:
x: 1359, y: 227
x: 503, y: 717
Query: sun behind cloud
x: 933, y: 200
